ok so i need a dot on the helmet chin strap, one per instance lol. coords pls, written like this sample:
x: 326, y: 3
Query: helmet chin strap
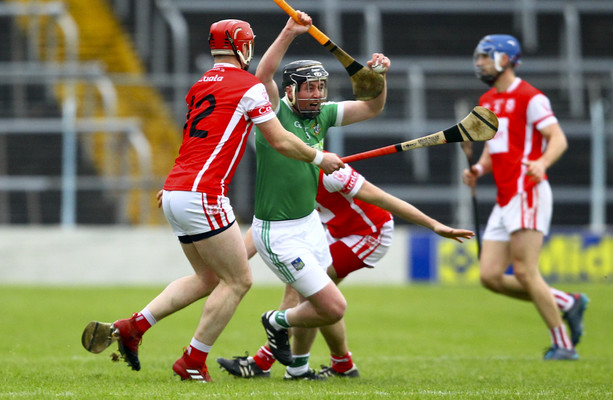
x: 237, y: 54
x: 292, y: 101
x: 497, y: 59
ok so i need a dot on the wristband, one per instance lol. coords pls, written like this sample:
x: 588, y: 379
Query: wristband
x: 319, y: 157
x: 479, y: 169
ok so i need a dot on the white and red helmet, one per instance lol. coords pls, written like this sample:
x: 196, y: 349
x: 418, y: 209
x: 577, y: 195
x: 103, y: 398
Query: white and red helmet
x: 229, y: 36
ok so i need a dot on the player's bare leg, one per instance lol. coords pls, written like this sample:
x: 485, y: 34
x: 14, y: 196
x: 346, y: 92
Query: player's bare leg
x: 260, y: 364
x: 497, y: 256
x: 495, y: 259
x: 97, y: 336
x: 493, y: 270
x: 184, y: 291
x: 340, y: 357
x: 322, y: 308
x: 493, y: 277
x: 302, y: 338
x: 225, y: 255
x: 221, y: 258
x: 525, y: 250
x: 335, y: 336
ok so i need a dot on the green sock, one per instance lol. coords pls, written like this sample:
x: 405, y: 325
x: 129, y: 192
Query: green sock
x: 300, y: 360
x: 281, y: 320
x: 300, y: 365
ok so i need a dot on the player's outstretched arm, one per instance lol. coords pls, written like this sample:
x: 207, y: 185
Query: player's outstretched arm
x: 452, y: 233
x: 378, y: 197
x: 273, y: 56
x: 291, y: 146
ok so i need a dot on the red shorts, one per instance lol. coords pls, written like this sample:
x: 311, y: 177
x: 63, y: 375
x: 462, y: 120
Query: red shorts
x: 355, y: 252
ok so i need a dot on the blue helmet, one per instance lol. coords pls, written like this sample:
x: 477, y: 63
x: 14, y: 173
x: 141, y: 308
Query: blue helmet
x: 503, y: 44
x: 494, y: 46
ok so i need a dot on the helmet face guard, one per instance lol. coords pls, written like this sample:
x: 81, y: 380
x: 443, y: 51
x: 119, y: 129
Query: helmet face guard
x: 232, y: 37
x: 312, y: 73
x: 495, y: 46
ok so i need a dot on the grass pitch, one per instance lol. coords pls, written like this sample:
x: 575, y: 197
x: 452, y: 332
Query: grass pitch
x: 409, y: 342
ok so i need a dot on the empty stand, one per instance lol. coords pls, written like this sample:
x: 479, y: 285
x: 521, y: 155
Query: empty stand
x: 151, y: 51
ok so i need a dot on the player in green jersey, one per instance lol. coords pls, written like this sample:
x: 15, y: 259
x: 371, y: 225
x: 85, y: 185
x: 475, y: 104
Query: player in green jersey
x: 286, y: 229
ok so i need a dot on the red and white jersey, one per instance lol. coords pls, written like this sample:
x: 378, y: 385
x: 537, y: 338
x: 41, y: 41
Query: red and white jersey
x: 522, y: 110
x: 222, y: 109
x: 342, y: 214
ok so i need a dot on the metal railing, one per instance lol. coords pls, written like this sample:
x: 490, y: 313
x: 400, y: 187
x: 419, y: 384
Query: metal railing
x: 69, y: 182
x: 161, y: 25
x: 68, y: 72
x: 60, y: 17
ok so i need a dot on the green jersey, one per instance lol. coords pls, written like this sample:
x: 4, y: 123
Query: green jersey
x: 286, y: 188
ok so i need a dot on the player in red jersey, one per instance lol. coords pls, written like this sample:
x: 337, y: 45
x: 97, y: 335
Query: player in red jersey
x: 529, y: 140
x: 223, y: 108
x: 358, y: 217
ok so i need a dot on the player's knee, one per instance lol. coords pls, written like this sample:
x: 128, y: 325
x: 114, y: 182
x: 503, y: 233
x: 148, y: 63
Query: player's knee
x: 241, y: 284
x: 336, y: 310
x: 521, y: 275
x: 245, y: 283
x: 490, y: 281
x: 203, y: 285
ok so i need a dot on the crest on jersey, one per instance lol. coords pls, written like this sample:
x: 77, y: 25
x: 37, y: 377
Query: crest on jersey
x: 298, y: 264
x: 316, y: 128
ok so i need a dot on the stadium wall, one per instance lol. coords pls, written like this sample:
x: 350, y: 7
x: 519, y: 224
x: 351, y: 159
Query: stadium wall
x: 130, y: 256
x: 152, y: 256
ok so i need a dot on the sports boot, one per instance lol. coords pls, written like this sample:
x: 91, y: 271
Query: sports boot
x: 558, y: 353
x: 243, y: 367
x: 574, y: 317
x: 128, y: 340
x: 278, y: 340
x: 310, y: 375
x: 189, y: 369
x: 329, y: 371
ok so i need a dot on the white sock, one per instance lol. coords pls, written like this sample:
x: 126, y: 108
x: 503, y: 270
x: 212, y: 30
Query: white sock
x: 148, y: 316
x: 205, y: 348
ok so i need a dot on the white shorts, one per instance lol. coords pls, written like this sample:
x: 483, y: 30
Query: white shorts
x: 195, y: 214
x: 295, y: 250
x: 528, y: 210
x: 369, y: 248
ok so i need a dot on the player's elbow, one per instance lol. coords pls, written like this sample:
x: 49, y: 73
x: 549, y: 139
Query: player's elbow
x: 375, y: 109
x: 564, y: 145
x: 280, y: 144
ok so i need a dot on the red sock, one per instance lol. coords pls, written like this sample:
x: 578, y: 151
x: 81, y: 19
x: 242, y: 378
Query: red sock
x: 141, y: 323
x: 264, y: 358
x: 342, y: 363
x: 197, y: 355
